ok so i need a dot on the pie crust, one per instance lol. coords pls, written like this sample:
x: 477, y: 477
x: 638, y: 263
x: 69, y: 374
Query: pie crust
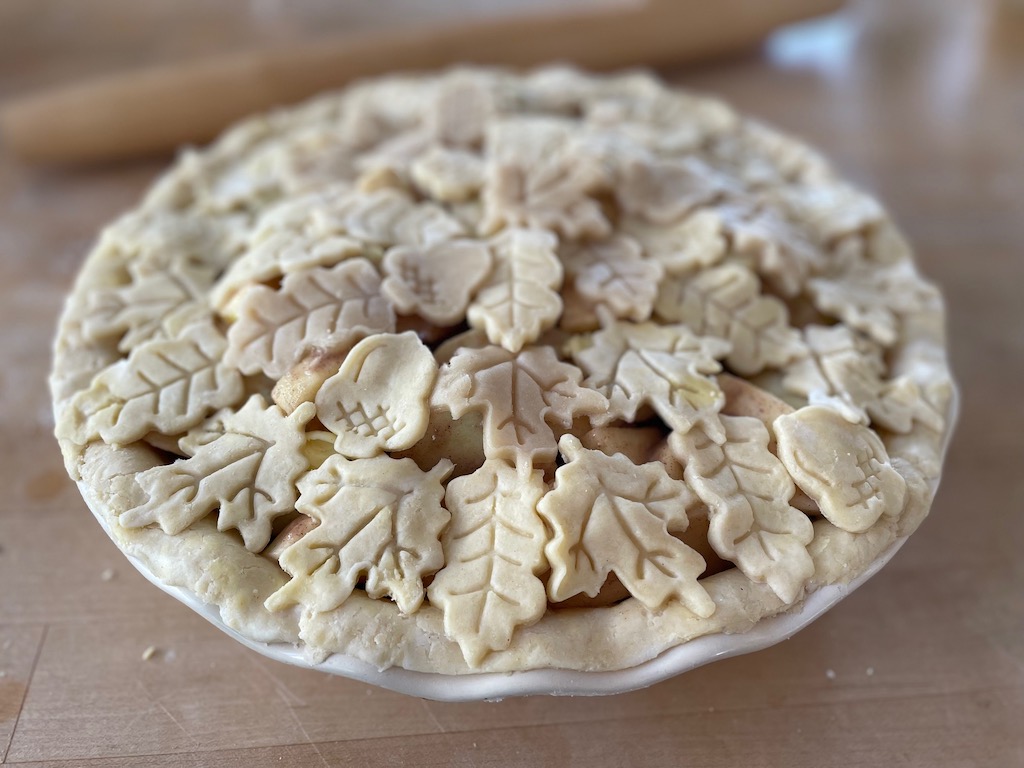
x: 480, y: 371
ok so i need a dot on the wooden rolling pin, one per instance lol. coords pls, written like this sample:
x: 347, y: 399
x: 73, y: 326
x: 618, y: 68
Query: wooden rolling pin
x: 155, y: 110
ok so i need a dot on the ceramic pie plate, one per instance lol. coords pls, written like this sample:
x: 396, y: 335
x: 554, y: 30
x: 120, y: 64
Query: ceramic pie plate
x: 483, y: 384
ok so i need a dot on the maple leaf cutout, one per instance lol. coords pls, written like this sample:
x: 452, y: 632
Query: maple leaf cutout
x: 664, y: 366
x: 139, y: 310
x: 611, y: 515
x: 747, y: 491
x: 379, y: 518
x: 247, y: 472
x: 844, y: 467
x: 519, y: 394
x: 323, y: 308
x: 519, y: 300
x: 494, y: 550
x: 167, y: 386
x: 614, y: 274
x: 844, y: 371
x: 380, y: 397
x: 726, y: 302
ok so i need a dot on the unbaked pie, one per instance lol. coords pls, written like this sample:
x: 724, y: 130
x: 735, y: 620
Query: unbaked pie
x: 494, y: 372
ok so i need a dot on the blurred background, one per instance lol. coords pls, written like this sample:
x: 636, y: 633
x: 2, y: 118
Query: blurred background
x: 919, y: 101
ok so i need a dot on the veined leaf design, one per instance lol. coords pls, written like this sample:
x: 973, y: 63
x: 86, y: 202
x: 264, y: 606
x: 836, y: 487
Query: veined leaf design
x: 323, y: 308
x: 845, y: 372
x: 726, y: 302
x: 138, y: 311
x: 518, y: 395
x: 519, y: 300
x: 247, y: 472
x: 167, y: 386
x: 379, y: 519
x: 664, y: 366
x: 613, y: 274
x: 611, y: 515
x: 747, y: 491
x: 494, y: 552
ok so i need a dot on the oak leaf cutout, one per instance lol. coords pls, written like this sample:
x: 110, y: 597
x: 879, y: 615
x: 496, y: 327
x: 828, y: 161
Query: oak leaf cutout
x: 379, y: 520
x: 611, y: 515
x: 747, y: 491
x: 726, y: 302
x: 845, y: 372
x: 520, y: 395
x: 140, y: 310
x: 872, y: 298
x: 843, y: 467
x: 494, y: 554
x: 379, y: 400
x: 164, y: 385
x: 435, y: 282
x: 666, y: 367
x: 519, y: 300
x: 245, y: 467
x: 613, y: 273
x: 322, y: 308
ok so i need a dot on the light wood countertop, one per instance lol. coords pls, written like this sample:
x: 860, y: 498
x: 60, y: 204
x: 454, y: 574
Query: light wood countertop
x: 920, y: 101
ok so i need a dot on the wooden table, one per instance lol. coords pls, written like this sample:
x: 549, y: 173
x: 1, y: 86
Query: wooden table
x: 922, y: 102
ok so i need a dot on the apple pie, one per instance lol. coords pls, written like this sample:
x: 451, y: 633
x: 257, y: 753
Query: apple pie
x: 483, y: 371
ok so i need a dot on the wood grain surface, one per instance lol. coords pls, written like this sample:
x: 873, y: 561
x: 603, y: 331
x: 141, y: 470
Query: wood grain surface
x: 920, y: 101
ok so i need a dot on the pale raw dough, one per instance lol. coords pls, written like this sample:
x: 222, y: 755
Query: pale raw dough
x: 635, y: 309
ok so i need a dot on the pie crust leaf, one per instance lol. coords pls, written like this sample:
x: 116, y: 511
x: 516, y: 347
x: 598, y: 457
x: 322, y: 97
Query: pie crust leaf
x: 663, y: 191
x: 379, y: 520
x: 871, y: 298
x: 664, y: 366
x: 535, y: 179
x: 611, y: 515
x: 322, y: 308
x: 379, y: 400
x: 435, y: 282
x: 166, y: 386
x: 783, y: 254
x: 843, y: 467
x: 697, y: 241
x: 389, y: 217
x: 520, y: 395
x: 494, y: 550
x: 844, y: 371
x: 139, y: 310
x: 519, y: 300
x: 747, y: 491
x: 726, y: 302
x: 247, y: 473
x: 448, y: 175
x: 613, y: 274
